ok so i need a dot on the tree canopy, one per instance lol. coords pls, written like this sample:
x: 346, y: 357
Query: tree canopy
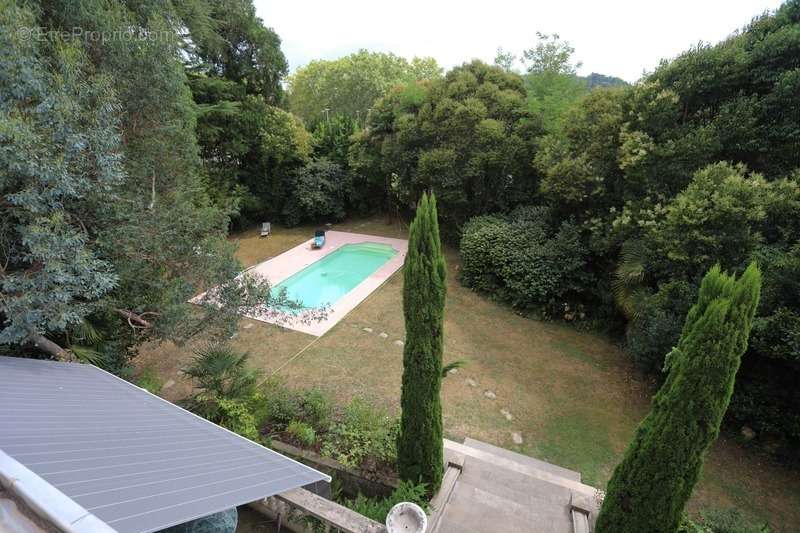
x: 350, y: 85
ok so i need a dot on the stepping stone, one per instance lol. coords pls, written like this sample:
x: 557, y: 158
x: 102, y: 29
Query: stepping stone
x: 507, y: 414
x: 383, y: 335
x: 169, y: 384
x: 452, y: 371
x: 471, y: 382
x: 516, y: 437
x: 399, y: 342
x: 490, y: 394
x: 248, y: 325
x: 368, y: 330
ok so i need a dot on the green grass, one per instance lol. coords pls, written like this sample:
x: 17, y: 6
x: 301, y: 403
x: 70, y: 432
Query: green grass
x: 578, y: 442
x: 575, y: 397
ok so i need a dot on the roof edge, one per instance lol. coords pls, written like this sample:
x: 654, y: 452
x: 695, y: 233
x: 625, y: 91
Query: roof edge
x: 325, y: 477
x: 47, y: 501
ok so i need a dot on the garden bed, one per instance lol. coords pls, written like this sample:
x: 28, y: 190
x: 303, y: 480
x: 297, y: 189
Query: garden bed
x: 352, y: 481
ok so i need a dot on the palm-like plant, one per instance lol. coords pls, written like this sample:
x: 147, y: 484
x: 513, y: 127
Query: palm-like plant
x: 85, y: 342
x: 222, y: 372
x: 627, y: 285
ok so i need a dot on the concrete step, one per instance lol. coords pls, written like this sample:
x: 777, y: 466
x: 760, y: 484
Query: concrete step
x: 514, y: 486
x: 474, y: 509
x: 520, y: 468
x: 523, y: 459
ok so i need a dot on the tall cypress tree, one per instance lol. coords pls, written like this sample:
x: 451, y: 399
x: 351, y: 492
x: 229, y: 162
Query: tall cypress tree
x: 420, y: 456
x: 651, y: 485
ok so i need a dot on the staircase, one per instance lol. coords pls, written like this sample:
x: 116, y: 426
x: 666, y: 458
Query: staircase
x: 490, y: 489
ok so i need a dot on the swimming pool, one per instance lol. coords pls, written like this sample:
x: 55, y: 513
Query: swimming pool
x: 324, y: 282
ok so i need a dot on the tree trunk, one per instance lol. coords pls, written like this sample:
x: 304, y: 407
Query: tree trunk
x: 47, y: 346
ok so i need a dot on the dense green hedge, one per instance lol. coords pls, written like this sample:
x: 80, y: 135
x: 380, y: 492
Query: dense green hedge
x: 523, y: 259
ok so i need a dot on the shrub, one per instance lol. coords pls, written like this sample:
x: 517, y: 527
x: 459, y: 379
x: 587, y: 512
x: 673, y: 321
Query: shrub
x: 281, y: 405
x: 378, y: 508
x: 363, y: 432
x: 523, y: 260
x: 722, y: 521
x: 149, y: 381
x: 655, y: 332
x: 233, y: 414
x: 302, y: 432
x: 318, y: 191
x: 227, y: 393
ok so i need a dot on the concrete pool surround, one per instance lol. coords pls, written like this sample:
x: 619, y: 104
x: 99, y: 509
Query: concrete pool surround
x: 294, y: 260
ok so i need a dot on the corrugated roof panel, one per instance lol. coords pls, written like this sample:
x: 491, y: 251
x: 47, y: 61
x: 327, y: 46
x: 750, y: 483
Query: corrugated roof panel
x: 137, y: 462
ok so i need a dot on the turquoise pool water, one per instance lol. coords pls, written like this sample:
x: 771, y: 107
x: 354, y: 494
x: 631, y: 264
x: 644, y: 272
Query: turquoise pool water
x: 325, y: 281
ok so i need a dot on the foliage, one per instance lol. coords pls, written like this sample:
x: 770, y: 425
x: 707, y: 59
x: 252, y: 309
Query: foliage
x: 658, y: 326
x: 695, y: 164
x: 223, y: 372
x: 467, y: 137
x: 730, y: 520
x: 235, y: 415
x: 350, y: 85
x: 302, y: 432
x: 319, y: 191
x: 671, y: 442
x: 331, y: 138
x: 126, y: 233
x: 150, y: 381
x: 282, y: 405
x: 550, y: 55
x: 364, y: 431
x: 453, y: 365
x: 227, y: 391
x: 420, y: 453
x: 250, y: 148
x: 60, y: 167
x: 378, y: 508
x: 240, y: 48
x: 521, y: 260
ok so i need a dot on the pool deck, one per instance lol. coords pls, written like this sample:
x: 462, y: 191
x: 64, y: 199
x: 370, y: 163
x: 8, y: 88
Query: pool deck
x: 292, y: 261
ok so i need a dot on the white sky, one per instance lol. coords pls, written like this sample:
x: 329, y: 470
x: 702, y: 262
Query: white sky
x: 615, y: 37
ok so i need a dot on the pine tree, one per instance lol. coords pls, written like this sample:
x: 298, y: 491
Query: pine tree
x: 420, y: 456
x: 651, y: 485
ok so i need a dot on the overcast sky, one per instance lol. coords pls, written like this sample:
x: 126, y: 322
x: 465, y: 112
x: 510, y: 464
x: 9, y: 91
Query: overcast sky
x: 615, y: 37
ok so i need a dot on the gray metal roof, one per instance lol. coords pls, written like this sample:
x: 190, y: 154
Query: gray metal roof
x: 134, y: 460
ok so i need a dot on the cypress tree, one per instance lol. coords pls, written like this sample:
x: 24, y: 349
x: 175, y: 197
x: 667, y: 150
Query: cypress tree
x: 420, y: 457
x: 651, y: 485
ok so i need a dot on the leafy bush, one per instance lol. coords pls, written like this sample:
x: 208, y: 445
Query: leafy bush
x: 378, y: 508
x: 363, y: 432
x: 235, y: 415
x: 318, y: 190
x: 227, y: 392
x: 149, y: 381
x: 722, y: 521
x: 281, y: 405
x: 658, y: 326
x: 302, y: 432
x: 523, y: 260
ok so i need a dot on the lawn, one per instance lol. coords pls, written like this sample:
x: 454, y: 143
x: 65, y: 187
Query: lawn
x: 573, y: 397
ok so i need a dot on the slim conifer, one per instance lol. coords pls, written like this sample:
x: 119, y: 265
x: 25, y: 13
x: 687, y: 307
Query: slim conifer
x: 420, y: 455
x: 652, y: 484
